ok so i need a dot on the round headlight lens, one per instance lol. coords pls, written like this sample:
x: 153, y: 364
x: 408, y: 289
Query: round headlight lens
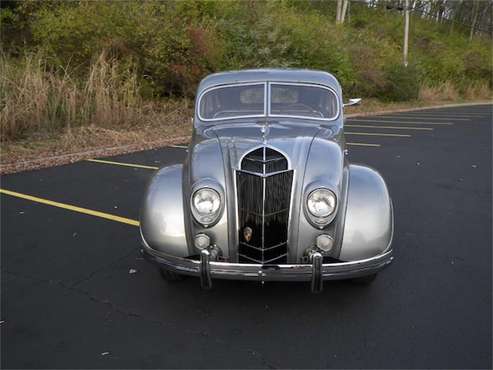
x: 321, y: 203
x: 207, y: 204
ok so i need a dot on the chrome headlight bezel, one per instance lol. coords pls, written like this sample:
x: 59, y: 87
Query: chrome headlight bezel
x: 320, y: 221
x: 207, y: 220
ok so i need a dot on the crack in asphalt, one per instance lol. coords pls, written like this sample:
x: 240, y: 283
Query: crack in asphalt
x: 101, y: 269
x: 257, y: 355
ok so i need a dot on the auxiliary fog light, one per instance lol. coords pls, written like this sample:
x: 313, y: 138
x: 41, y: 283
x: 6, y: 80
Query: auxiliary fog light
x: 201, y: 241
x: 325, y: 242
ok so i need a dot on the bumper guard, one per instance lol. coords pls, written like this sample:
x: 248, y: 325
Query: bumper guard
x: 315, y: 272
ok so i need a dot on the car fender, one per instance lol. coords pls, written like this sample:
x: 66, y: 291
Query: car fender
x: 162, y: 222
x: 369, y: 219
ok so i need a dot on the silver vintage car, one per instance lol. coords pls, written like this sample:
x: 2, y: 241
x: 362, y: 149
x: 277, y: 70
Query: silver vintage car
x: 266, y: 192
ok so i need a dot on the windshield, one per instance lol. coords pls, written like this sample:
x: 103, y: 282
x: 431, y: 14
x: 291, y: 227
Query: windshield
x: 233, y: 101
x: 286, y: 100
x: 302, y: 101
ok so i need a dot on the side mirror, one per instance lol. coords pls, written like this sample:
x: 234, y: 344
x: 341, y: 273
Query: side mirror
x: 354, y: 101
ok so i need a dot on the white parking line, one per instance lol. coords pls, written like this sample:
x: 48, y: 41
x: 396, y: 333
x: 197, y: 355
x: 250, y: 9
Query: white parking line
x: 375, y: 134
x: 448, y: 114
x: 397, y: 121
x: 393, y: 127
x: 364, y: 144
x: 423, y: 117
x: 347, y: 143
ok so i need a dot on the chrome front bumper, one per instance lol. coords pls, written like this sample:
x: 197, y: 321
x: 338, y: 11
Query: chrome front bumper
x: 315, y: 271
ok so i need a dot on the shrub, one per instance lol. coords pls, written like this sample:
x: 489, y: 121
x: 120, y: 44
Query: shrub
x: 171, y: 45
x: 401, y: 83
x: 478, y: 66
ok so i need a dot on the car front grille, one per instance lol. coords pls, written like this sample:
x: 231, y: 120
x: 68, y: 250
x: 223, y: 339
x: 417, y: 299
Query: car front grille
x: 264, y: 193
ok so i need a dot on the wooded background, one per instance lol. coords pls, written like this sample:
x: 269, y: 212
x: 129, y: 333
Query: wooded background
x: 133, y: 52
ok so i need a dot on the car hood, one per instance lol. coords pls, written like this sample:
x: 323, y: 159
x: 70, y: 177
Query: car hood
x: 291, y: 139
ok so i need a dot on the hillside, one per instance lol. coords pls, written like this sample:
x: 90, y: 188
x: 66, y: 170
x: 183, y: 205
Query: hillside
x: 117, y: 67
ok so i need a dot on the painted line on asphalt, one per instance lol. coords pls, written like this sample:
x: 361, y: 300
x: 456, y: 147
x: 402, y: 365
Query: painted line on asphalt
x: 179, y: 146
x: 393, y: 127
x: 364, y: 144
x: 375, y: 134
x: 352, y: 144
x: 423, y: 117
x: 448, y: 114
x: 406, y: 122
x: 73, y: 208
x: 123, y: 164
x: 134, y: 165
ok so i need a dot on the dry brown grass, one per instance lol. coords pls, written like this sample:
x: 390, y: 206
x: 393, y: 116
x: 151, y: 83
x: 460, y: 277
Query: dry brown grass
x: 167, y: 123
x: 49, y: 117
x: 44, y: 114
x: 478, y: 90
x: 443, y: 92
x: 447, y: 91
x: 35, y: 99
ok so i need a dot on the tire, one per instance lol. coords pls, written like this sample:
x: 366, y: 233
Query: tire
x: 365, y: 280
x: 170, y: 275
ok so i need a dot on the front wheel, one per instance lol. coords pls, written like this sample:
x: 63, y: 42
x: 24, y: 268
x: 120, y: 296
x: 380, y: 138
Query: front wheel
x: 170, y: 275
x: 365, y: 280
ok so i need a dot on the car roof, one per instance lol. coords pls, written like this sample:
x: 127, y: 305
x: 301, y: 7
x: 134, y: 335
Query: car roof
x: 278, y: 75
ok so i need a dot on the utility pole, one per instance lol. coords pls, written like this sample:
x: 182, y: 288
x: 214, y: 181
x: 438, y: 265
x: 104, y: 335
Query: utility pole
x: 406, y: 32
x: 338, y: 11
x: 344, y: 10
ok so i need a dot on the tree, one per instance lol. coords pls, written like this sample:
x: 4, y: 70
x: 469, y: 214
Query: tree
x: 342, y: 6
x: 344, y: 10
x: 338, y: 11
x: 475, y: 12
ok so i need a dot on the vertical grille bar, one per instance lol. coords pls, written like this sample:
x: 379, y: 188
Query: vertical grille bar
x: 264, y: 193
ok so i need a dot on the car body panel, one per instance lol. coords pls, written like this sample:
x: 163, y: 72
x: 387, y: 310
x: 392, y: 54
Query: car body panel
x: 361, y: 226
x: 162, y: 216
x: 369, y: 223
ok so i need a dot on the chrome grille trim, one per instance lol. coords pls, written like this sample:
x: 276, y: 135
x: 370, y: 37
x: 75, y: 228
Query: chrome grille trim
x: 267, y: 215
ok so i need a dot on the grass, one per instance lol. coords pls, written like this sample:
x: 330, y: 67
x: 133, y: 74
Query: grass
x: 445, y: 93
x: 49, y: 117
x: 46, y: 113
x: 35, y: 99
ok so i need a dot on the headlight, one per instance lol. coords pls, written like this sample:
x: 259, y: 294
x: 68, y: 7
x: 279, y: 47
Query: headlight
x: 321, y: 203
x: 206, y: 205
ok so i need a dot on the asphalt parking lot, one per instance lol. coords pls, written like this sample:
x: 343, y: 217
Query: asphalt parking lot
x: 76, y: 292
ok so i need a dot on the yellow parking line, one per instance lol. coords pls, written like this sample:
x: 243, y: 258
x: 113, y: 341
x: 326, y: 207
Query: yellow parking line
x: 397, y: 121
x: 375, y: 134
x: 70, y: 207
x: 397, y: 116
x: 364, y: 144
x: 393, y: 127
x: 123, y: 164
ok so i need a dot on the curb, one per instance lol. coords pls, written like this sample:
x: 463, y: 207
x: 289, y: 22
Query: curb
x: 76, y: 157
x: 126, y: 149
x: 400, y: 110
